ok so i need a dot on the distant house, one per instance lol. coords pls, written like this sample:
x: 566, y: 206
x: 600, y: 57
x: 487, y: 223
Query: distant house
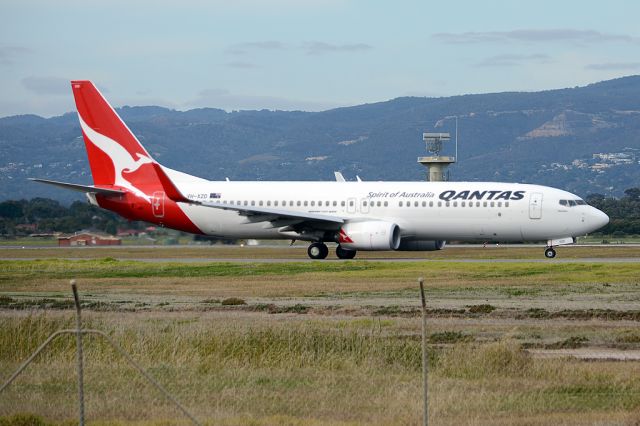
x: 27, y: 227
x: 88, y: 239
x: 128, y: 232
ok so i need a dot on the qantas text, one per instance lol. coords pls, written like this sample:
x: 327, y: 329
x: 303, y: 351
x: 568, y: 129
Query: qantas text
x: 481, y: 195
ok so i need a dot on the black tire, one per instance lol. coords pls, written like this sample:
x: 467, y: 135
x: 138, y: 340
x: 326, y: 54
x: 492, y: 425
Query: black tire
x: 549, y: 253
x: 344, y: 253
x: 318, y: 251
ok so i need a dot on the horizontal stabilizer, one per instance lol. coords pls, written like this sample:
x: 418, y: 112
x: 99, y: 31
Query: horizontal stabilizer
x: 81, y: 188
x: 169, y: 188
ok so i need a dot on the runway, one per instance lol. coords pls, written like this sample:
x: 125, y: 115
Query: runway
x: 368, y: 259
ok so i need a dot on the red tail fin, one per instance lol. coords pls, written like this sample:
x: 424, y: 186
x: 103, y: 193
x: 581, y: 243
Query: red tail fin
x: 115, y: 155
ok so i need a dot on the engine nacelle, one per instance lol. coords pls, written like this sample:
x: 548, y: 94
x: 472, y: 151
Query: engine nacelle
x: 421, y: 245
x: 370, y: 235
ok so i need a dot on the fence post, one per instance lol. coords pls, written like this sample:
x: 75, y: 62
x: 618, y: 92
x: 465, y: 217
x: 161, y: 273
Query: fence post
x: 79, y: 352
x: 425, y: 358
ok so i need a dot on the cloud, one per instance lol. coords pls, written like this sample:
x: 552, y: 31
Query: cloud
x: 319, y: 47
x: 510, y: 60
x: 222, y: 98
x: 241, y: 65
x: 8, y: 53
x: 243, y: 48
x: 614, y: 66
x: 535, y: 35
x: 47, y: 85
x: 310, y: 48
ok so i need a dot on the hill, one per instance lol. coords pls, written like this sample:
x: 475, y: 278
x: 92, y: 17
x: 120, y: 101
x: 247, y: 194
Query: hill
x: 583, y: 139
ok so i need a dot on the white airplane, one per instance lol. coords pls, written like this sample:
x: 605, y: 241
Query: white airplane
x: 416, y: 216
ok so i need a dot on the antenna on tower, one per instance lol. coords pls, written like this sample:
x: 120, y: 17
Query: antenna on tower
x: 436, y: 164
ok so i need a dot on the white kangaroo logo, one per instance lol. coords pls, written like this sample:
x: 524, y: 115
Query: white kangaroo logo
x: 122, y: 160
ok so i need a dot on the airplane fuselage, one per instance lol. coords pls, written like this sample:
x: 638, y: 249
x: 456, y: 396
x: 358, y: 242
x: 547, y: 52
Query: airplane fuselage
x: 464, y: 211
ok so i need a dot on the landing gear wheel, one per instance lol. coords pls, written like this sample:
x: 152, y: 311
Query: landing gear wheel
x: 549, y: 253
x: 318, y: 251
x: 344, y: 253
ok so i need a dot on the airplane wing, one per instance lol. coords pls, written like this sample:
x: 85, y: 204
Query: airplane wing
x: 81, y: 188
x: 278, y: 217
x: 288, y: 214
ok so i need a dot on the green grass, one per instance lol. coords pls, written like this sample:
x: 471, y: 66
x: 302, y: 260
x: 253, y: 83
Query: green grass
x: 111, y: 268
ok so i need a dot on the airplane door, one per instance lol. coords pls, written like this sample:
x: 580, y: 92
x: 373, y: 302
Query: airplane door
x: 157, y: 204
x: 535, y: 206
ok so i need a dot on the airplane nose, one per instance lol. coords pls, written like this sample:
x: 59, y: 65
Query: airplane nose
x: 598, y: 218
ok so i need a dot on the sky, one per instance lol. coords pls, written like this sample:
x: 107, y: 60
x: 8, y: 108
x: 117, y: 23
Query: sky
x: 304, y: 54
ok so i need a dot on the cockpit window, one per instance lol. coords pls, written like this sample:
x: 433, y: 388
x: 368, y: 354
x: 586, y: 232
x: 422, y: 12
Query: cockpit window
x: 572, y: 203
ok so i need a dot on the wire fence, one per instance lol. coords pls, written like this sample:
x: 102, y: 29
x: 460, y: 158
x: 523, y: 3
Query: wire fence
x: 331, y: 371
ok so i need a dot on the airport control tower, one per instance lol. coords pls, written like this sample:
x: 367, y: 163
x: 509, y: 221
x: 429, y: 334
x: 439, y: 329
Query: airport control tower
x: 436, y: 164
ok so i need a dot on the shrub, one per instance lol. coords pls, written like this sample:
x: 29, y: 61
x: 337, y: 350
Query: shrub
x: 232, y: 301
x: 481, y: 309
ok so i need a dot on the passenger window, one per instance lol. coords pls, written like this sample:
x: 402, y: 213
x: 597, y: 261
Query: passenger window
x: 463, y: 204
x: 455, y: 204
x: 275, y: 203
x: 313, y: 203
x: 269, y: 203
x: 447, y: 204
x: 506, y: 204
x: 439, y: 203
x: 477, y: 203
x: 350, y: 203
x: 400, y: 204
x: 499, y: 203
x: 492, y: 204
x: 335, y: 204
x: 364, y: 204
x: 430, y: 203
x: 415, y: 204
x: 306, y: 203
x: 342, y: 203
x: 484, y: 204
x: 386, y: 203
x: 298, y: 203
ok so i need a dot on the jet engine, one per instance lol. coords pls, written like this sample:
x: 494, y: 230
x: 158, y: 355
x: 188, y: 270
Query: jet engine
x: 421, y: 245
x: 370, y: 235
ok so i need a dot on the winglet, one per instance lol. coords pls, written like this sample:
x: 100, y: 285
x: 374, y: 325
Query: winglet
x: 168, y: 186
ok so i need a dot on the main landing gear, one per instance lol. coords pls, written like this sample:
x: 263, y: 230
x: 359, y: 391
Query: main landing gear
x: 549, y: 253
x: 320, y: 251
x: 343, y: 253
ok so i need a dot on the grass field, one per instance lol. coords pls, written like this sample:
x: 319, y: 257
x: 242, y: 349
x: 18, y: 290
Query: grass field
x: 323, y: 343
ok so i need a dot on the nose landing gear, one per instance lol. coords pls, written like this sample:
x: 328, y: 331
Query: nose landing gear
x: 549, y: 253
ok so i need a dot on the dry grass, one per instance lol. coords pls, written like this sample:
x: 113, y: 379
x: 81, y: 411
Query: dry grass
x: 333, y: 343
x: 307, y: 373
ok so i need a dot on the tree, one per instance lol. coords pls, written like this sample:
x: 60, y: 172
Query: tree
x: 632, y: 193
x: 12, y: 209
